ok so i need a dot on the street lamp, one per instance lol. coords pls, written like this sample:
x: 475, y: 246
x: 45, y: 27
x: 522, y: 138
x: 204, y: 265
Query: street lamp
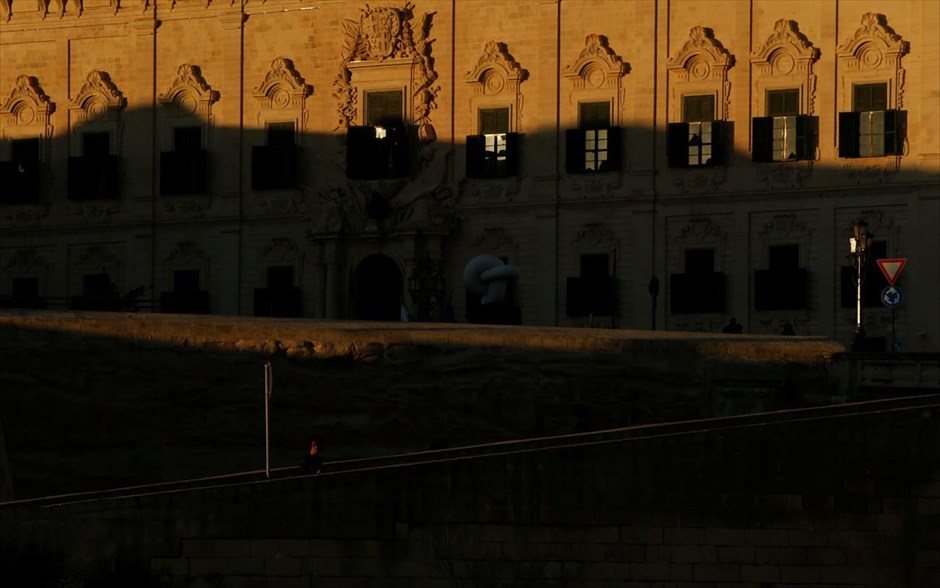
x: 859, y: 247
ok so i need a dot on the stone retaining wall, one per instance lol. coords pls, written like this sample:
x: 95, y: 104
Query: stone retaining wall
x: 850, y: 499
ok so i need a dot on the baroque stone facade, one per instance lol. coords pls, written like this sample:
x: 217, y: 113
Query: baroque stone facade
x: 175, y: 146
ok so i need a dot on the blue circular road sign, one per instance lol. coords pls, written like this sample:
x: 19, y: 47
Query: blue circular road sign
x: 891, y: 297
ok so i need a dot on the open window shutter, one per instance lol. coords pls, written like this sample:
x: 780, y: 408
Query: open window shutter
x: 848, y: 134
x: 805, y: 136
x: 513, y: 153
x: 358, y: 147
x: 475, y: 148
x: 199, y: 179
x: 401, y: 151
x: 574, y: 151
x: 260, y: 163
x: 719, y: 132
x: 614, y: 149
x: 677, y: 144
x: 762, y: 128
x: 892, y: 129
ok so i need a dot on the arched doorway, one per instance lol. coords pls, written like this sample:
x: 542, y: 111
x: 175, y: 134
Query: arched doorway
x: 377, y: 289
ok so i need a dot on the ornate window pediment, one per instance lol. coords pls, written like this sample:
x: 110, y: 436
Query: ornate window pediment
x: 97, y: 99
x: 386, y: 49
x: 283, y: 87
x: 872, y: 55
x: 495, y: 82
x: 785, y: 61
x: 189, y: 93
x: 27, y: 111
x: 96, y: 108
x: 597, y: 66
x: 700, y: 67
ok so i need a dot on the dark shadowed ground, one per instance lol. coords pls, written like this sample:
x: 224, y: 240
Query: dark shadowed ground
x: 95, y: 401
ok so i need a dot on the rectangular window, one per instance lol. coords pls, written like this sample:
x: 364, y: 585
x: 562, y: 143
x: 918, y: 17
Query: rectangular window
x: 592, y: 293
x: 783, y: 286
x: 493, y: 153
x: 782, y: 258
x: 494, y: 125
x: 698, y: 112
x: 595, y: 265
x: 783, y: 103
x: 784, y: 134
x: 871, y: 129
x: 25, y: 288
x: 184, y: 170
x: 96, y: 144
x: 869, y: 97
x: 187, y: 139
x: 382, y: 148
x: 595, y: 145
x: 698, y: 108
x: 595, y: 121
x: 25, y: 150
x: 94, y: 174
x: 281, y: 134
x: 186, y: 281
x: 98, y: 293
x: 700, y: 288
x: 20, y: 177
x: 186, y: 297
x: 494, y: 121
x: 280, y: 277
x: 384, y: 109
x: 281, y: 298
x: 274, y: 166
x: 24, y: 293
x: 699, y: 261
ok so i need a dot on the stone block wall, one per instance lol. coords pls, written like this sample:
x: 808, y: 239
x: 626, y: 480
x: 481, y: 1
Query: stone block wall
x: 851, y: 498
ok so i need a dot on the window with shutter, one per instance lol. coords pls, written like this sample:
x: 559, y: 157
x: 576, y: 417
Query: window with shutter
x: 494, y: 153
x: 871, y: 129
x: 700, y: 141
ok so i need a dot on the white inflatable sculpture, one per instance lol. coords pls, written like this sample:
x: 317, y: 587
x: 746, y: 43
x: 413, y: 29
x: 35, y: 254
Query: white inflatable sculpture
x: 487, y: 276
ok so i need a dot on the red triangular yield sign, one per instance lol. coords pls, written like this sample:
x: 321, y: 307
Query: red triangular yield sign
x: 891, y: 268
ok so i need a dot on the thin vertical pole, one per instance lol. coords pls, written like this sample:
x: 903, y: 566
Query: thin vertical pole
x: 268, y: 385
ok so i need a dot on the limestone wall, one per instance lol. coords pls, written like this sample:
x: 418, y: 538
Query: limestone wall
x: 828, y: 499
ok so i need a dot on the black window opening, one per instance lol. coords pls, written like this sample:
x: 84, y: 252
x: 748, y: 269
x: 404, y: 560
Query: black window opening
x: 871, y: 129
x: 784, y: 134
x: 186, y: 297
x: 700, y: 288
x: 494, y: 152
x: 783, y: 285
x: 274, y: 165
x: 281, y: 298
x: 20, y: 176
x: 873, y: 280
x: 98, y: 293
x: 699, y: 140
x: 595, y: 145
x: 184, y: 170
x: 24, y: 293
x: 592, y: 293
x: 383, y: 147
x: 93, y: 175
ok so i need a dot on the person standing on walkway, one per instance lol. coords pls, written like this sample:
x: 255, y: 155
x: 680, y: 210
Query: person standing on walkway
x: 312, y: 463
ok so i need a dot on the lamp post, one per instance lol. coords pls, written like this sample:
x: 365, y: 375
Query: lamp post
x: 859, y: 246
x: 426, y: 286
